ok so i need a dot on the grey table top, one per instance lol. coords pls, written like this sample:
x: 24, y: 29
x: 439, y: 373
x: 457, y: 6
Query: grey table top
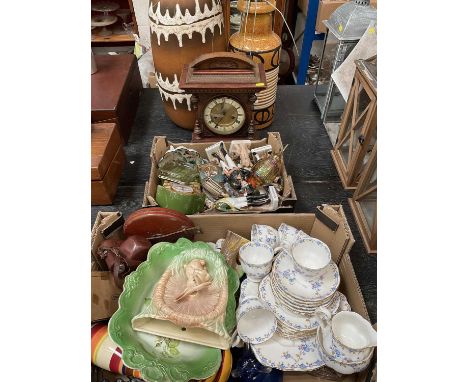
x: 307, y: 160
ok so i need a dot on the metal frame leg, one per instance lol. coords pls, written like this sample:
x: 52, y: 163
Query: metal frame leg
x: 309, y: 37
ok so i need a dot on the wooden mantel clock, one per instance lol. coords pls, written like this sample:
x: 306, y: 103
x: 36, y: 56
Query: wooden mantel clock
x: 223, y: 87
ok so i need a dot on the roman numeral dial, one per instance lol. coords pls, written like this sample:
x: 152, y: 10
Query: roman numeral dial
x: 224, y: 115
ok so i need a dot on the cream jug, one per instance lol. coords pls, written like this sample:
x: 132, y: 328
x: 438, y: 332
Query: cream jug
x: 347, y: 337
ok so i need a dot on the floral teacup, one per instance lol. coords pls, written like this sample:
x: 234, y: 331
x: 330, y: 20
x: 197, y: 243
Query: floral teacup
x: 255, y: 322
x: 287, y: 234
x: 340, y: 367
x: 256, y: 260
x: 265, y: 234
x: 310, y: 256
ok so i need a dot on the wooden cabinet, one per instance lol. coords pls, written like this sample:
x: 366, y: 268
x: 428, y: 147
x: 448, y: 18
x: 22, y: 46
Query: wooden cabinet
x: 115, y: 91
x: 358, y: 129
x: 116, y: 39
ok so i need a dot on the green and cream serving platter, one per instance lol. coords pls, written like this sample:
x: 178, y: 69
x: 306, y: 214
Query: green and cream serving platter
x: 157, y: 357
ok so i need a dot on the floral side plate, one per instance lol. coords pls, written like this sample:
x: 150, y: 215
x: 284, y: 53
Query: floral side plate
x: 290, y: 355
x: 292, y: 283
x: 160, y: 358
x: 293, y: 320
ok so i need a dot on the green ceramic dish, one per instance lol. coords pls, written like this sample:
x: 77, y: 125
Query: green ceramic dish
x: 187, y: 204
x: 161, y: 359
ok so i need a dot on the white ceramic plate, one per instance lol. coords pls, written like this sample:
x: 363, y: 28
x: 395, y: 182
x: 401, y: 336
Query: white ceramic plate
x: 304, y: 304
x: 292, y: 283
x: 333, y: 305
x: 290, y: 355
x: 301, y: 305
x: 293, y: 320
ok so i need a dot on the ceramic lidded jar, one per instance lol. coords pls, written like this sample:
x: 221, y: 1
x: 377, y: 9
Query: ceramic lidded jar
x: 181, y: 30
x: 257, y: 39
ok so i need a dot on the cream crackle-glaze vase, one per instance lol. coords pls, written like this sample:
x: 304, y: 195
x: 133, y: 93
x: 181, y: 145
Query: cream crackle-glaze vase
x: 181, y: 30
x: 257, y: 39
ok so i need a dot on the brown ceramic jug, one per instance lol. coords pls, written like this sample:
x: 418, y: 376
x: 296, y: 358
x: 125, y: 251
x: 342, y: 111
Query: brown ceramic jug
x: 123, y: 257
x: 135, y: 250
x: 181, y: 30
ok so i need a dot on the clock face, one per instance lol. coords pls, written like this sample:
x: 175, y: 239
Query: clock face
x: 224, y: 115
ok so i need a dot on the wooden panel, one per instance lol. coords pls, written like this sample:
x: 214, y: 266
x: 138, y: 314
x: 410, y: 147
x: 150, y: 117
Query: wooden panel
x: 128, y: 103
x: 105, y: 141
x: 103, y: 191
x: 113, y: 38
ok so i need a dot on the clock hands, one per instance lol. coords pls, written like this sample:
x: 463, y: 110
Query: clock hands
x: 222, y: 115
x: 226, y: 114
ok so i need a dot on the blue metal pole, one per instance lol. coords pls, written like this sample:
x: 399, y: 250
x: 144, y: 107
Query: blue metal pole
x: 309, y: 37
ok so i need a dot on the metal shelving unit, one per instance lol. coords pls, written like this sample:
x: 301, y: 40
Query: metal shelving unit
x: 309, y: 37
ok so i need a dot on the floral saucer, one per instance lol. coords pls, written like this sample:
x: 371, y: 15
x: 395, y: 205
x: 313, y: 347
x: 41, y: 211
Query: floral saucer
x: 293, y: 320
x: 291, y: 355
x: 292, y: 283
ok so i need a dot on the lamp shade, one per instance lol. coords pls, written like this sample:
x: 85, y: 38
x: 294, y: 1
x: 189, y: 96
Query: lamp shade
x: 350, y: 20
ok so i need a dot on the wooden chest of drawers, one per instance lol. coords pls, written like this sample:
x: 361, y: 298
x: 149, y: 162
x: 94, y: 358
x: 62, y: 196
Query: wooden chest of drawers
x: 107, y: 161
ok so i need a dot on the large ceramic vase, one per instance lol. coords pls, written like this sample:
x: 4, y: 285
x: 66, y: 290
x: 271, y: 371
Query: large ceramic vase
x: 181, y: 30
x: 257, y: 39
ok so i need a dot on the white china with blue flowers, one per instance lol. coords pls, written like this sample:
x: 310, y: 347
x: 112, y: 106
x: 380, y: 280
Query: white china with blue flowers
x: 310, y: 257
x: 346, y: 336
x: 340, y: 367
x: 289, y: 355
x: 256, y: 260
x: 333, y: 304
x: 248, y: 289
x: 293, y: 320
x: 255, y: 322
x: 314, y: 290
x: 261, y: 233
x: 303, y: 304
x: 310, y: 305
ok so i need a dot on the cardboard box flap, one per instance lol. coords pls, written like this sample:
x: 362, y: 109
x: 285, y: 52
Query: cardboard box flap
x: 332, y: 228
x: 214, y: 227
x: 349, y: 286
x: 104, y: 224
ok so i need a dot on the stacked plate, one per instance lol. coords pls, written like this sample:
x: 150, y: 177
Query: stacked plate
x: 294, y: 298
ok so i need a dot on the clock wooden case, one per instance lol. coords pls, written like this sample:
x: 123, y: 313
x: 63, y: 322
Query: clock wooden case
x: 223, y: 87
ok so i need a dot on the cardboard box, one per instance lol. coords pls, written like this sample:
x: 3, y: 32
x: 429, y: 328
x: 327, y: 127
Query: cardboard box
x: 328, y: 224
x: 104, y: 291
x: 104, y: 295
x: 325, y: 9
x: 161, y: 145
